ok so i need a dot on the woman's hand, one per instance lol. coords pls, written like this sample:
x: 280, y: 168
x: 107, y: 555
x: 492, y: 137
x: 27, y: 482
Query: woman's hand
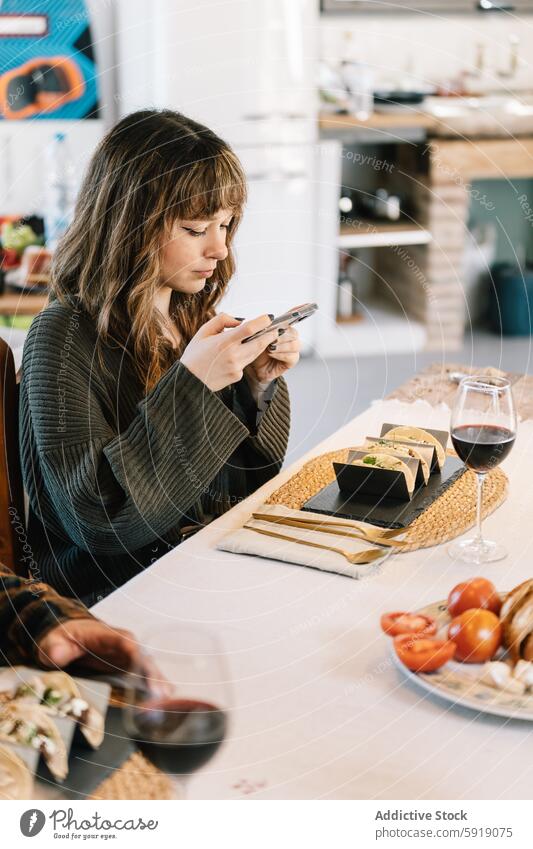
x: 216, y: 355
x: 282, y: 355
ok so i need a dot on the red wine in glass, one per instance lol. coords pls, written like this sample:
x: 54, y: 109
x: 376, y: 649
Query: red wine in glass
x: 482, y: 447
x: 179, y: 735
x: 177, y: 700
x: 483, y: 429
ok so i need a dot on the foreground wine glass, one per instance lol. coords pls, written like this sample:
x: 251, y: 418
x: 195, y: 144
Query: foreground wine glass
x: 483, y: 431
x: 176, y: 702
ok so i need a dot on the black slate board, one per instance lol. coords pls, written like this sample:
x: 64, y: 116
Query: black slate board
x: 89, y: 767
x: 380, y: 511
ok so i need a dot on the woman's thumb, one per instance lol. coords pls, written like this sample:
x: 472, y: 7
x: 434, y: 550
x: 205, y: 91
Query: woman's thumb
x: 217, y: 325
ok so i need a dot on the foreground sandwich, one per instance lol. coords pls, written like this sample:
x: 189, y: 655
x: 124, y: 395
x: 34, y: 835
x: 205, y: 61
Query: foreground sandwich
x: 59, y: 695
x: 391, y: 463
x: 388, y: 446
x: 30, y: 725
x: 405, y: 433
x: 15, y: 778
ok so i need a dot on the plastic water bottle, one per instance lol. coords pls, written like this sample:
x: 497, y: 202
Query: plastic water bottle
x: 358, y: 80
x: 60, y: 192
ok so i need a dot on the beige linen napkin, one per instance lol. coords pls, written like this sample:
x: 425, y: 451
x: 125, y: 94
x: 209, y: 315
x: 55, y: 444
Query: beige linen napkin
x: 245, y: 541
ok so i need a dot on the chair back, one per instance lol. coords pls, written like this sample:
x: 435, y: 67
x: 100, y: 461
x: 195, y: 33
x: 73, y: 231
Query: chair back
x: 12, y: 520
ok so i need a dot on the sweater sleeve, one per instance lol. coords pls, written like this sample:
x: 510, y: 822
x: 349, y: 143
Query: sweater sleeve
x: 269, y: 426
x: 264, y: 451
x: 28, y: 610
x: 259, y: 457
x: 119, y: 490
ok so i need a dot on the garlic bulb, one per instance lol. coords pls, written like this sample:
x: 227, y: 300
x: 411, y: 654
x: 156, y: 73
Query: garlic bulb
x: 498, y: 674
x: 523, y: 671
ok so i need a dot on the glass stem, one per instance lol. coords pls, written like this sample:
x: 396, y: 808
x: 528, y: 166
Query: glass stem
x: 179, y: 787
x: 480, y: 477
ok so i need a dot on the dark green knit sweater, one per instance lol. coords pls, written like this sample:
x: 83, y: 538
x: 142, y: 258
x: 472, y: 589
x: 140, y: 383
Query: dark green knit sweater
x: 111, y: 475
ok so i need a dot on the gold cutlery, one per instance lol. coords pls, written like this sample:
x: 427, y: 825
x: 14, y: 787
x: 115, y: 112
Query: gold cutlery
x: 379, y: 537
x: 359, y: 557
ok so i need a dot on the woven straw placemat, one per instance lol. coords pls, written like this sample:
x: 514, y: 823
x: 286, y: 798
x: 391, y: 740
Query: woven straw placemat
x: 137, y: 778
x: 450, y: 515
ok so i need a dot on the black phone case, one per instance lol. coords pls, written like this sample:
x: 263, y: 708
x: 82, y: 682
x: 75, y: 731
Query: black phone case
x: 287, y: 319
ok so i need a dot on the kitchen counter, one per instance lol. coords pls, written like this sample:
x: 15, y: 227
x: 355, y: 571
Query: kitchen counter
x: 377, y: 121
x: 491, y: 116
x: 13, y: 304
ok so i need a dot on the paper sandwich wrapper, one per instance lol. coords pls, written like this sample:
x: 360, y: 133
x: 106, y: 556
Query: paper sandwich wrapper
x: 386, y: 483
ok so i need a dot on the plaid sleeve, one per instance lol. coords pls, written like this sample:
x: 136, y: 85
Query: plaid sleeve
x: 28, y: 610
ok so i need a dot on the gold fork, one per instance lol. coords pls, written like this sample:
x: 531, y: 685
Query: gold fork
x: 378, y: 537
x: 359, y: 557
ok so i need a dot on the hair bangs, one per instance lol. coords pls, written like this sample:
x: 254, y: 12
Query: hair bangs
x: 212, y: 184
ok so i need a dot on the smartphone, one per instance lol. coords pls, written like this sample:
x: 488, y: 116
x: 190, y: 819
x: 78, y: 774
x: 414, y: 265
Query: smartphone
x: 285, y: 320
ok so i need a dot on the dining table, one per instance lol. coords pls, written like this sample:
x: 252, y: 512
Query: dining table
x: 319, y: 708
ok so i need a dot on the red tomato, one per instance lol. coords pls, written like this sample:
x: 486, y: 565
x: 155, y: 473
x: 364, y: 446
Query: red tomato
x: 475, y: 593
x: 408, y: 623
x: 421, y: 654
x: 477, y: 635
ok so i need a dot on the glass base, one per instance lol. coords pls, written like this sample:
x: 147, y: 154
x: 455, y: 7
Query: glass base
x: 477, y: 551
x: 178, y: 787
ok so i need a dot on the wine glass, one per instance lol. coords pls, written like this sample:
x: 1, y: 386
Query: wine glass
x: 176, y: 701
x: 483, y: 431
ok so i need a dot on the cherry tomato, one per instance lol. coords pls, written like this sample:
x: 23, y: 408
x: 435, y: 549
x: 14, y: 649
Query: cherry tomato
x: 477, y: 635
x: 422, y: 654
x: 475, y: 593
x: 408, y: 623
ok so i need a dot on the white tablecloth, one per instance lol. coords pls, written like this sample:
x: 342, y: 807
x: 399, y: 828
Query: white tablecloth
x: 320, y: 712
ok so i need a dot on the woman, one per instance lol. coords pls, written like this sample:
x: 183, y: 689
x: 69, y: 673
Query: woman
x: 142, y: 413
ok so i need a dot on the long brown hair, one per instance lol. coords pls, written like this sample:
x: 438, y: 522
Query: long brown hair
x: 152, y: 168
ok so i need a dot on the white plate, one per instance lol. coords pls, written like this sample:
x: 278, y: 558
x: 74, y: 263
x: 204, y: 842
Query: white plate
x: 459, y: 683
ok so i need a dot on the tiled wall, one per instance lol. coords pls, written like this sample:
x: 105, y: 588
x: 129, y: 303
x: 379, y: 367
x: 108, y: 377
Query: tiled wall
x: 433, y: 47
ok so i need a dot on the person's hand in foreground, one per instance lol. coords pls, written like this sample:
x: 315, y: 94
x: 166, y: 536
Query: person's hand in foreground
x: 91, y: 643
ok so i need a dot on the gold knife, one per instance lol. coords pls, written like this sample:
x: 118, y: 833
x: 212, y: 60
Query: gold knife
x: 353, y: 558
x: 381, y: 537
